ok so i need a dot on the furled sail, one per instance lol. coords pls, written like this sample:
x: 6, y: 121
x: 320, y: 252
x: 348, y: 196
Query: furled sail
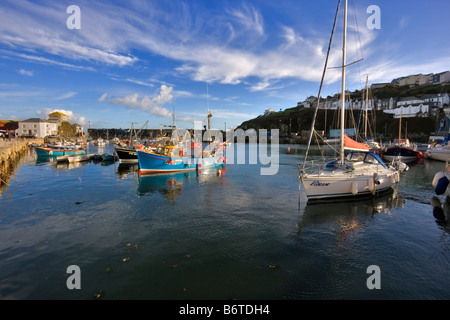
x: 350, y: 144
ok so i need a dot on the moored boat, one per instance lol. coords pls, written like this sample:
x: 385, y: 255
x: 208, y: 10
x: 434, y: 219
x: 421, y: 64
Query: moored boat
x: 78, y: 158
x: 152, y: 162
x: 402, y: 149
x: 108, y: 157
x: 359, y: 173
x: 126, y: 154
x: 53, y: 151
x: 438, y: 150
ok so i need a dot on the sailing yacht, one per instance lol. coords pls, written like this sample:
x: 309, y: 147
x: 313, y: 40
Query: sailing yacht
x: 359, y: 173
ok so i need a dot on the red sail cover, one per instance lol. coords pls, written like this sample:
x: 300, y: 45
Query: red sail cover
x: 351, y: 144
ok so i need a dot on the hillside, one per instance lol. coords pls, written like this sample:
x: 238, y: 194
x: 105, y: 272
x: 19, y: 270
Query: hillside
x: 299, y: 119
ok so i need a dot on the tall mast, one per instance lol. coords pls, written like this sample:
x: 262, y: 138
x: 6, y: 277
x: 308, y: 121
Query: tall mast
x: 207, y: 104
x: 367, y: 106
x: 344, y: 43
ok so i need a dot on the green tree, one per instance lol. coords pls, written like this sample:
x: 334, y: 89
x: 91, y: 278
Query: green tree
x: 65, y: 129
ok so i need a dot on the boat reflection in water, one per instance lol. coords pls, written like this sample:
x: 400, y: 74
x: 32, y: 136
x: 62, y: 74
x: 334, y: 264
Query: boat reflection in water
x: 171, y: 185
x: 127, y: 169
x: 69, y: 165
x: 441, y: 212
x: 346, y: 215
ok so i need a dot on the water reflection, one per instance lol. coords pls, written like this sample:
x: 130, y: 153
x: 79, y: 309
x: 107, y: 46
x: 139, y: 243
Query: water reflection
x: 441, y: 212
x: 127, y: 169
x: 347, y: 215
x: 171, y: 185
x: 69, y: 165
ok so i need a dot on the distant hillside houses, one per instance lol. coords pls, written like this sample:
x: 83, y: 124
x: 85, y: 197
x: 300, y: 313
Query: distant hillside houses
x: 424, y: 106
x: 268, y: 111
x: 423, y: 79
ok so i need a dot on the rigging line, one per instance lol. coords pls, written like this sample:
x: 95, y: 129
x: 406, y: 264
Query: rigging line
x: 321, y: 84
x: 357, y: 39
x: 347, y: 65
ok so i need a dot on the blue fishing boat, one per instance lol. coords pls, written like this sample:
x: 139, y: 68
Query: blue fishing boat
x: 152, y: 162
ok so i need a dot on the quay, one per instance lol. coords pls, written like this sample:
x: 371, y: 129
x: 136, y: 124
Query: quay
x: 11, y: 151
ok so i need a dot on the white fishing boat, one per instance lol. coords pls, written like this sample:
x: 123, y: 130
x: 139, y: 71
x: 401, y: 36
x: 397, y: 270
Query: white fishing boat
x: 78, y: 158
x: 359, y: 173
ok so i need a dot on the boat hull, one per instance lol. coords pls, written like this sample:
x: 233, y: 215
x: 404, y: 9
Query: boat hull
x: 126, y: 155
x: 78, y: 158
x: 150, y: 163
x: 439, y: 154
x: 54, y: 152
x: 404, y: 154
x: 352, y: 186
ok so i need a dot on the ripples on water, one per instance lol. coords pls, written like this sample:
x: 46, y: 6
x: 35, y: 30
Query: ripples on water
x: 228, y: 234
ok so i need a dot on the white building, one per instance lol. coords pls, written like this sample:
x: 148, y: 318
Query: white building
x: 420, y: 110
x: 78, y: 129
x: 384, y: 104
x: 438, y: 100
x: 38, y: 128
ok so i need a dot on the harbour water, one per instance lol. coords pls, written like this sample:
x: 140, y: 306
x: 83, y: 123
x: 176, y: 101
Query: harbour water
x: 218, y: 235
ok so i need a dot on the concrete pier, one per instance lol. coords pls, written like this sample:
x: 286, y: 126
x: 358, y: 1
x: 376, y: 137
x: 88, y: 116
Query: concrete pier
x: 11, y: 151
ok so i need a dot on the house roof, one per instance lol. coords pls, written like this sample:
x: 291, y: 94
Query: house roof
x: 409, y: 98
x: 432, y: 95
x: 58, y: 113
x: 34, y: 120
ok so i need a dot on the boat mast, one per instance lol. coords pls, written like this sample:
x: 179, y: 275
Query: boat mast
x: 367, y: 106
x: 344, y: 42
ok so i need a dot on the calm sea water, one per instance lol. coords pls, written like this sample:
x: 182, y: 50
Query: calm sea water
x: 233, y: 234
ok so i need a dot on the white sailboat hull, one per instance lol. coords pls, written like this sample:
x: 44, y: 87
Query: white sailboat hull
x: 438, y: 153
x: 342, y: 183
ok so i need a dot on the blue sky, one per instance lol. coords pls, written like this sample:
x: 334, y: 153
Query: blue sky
x: 133, y: 61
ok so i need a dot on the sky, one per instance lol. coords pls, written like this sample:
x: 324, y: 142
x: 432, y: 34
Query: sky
x: 111, y: 64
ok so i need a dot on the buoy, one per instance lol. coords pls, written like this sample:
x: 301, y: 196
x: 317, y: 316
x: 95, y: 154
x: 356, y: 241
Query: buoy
x: 289, y: 149
x: 440, y: 183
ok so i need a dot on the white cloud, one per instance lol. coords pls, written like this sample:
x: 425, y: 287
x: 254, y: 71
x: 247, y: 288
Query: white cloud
x: 103, y: 97
x: 44, y: 60
x: 152, y: 105
x: 71, y: 116
x: 39, y: 28
x: 66, y: 95
x: 237, y: 47
x: 26, y: 72
x: 249, y: 18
